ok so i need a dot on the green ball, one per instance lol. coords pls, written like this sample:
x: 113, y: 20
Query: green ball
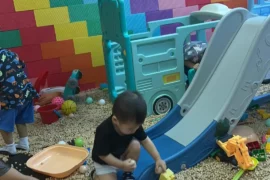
x: 267, y: 122
x: 79, y: 142
x: 89, y: 100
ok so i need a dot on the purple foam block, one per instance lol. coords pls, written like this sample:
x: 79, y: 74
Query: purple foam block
x: 193, y: 37
x: 141, y: 6
x: 169, y: 29
x: 157, y: 15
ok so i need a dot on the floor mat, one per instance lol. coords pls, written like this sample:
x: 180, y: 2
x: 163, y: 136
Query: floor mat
x: 18, y: 162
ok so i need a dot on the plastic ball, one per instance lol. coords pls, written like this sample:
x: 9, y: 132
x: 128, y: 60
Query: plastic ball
x: 132, y: 162
x: 58, y: 101
x: 62, y: 142
x: 71, y: 115
x: 89, y: 100
x: 69, y: 107
x: 83, y: 169
x: 79, y: 142
x: 267, y: 122
x: 101, y: 102
x: 263, y: 139
x: 36, y: 107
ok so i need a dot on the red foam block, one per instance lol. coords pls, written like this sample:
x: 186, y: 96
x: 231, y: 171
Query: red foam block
x: 37, y: 35
x: 7, y: 6
x: 59, y: 79
x: 29, y: 53
x: 204, y: 2
x: 51, y: 65
x: 12, y: 21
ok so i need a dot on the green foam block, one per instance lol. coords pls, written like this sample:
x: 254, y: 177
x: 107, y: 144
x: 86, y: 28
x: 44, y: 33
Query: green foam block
x: 10, y: 39
x: 83, y: 12
x: 94, y: 27
x: 61, y: 3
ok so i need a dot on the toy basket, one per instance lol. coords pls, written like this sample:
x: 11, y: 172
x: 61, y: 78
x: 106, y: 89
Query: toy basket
x: 48, y: 113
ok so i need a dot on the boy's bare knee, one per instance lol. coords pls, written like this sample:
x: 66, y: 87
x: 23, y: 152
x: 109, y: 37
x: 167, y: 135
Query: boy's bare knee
x: 135, y: 145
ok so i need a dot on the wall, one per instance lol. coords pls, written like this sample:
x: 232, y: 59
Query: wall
x: 62, y: 35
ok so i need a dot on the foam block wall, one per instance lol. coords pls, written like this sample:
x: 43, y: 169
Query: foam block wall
x: 62, y: 35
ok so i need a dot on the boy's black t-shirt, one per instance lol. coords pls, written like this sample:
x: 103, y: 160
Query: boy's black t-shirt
x: 108, y: 141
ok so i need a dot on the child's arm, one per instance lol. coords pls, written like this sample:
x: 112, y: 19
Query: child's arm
x: 112, y: 161
x: 152, y: 150
x: 191, y: 65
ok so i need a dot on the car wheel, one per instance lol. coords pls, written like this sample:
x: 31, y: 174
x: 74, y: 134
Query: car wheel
x: 163, y: 105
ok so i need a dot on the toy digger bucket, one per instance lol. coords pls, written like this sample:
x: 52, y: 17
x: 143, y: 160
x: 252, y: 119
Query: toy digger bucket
x: 255, y: 164
x: 242, y: 171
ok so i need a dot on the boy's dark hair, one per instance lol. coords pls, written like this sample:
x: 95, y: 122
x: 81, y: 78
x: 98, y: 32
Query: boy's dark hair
x: 130, y: 106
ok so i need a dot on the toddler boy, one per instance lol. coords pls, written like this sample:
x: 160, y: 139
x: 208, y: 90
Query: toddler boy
x: 118, y: 139
x: 16, y: 96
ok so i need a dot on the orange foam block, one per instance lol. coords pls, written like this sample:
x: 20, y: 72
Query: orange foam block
x: 57, y: 49
x: 96, y: 75
x: 80, y: 61
x: 234, y: 4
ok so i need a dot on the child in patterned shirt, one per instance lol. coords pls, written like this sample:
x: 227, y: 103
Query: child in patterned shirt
x: 16, y: 97
x: 193, y: 54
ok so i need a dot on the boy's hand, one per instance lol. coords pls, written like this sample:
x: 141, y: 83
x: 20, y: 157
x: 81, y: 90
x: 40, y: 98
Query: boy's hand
x: 160, y: 166
x: 129, y: 165
x: 196, y: 66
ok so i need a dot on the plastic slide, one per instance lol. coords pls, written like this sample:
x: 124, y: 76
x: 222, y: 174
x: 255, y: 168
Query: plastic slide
x: 233, y: 67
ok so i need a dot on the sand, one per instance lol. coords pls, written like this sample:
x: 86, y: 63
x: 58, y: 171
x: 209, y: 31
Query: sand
x: 87, y: 118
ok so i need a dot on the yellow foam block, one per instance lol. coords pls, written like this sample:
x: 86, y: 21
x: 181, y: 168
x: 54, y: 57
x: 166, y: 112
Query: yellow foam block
x: 71, y: 30
x: 24, y: 5
x: 93, y: 45
x: 52, y: 16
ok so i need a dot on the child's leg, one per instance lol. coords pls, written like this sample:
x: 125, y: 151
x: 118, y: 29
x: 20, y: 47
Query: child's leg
x: 23, y: 142
x: 25, y: 116
x: 7, y: 136
x: 132, y: 152
x: 22, y: 130
x: 103, y: 172
x: 7, y: 119
x: 111, y: 176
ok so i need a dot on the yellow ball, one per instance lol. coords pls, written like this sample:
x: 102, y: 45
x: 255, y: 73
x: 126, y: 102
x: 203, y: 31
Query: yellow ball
x: 69, y: 107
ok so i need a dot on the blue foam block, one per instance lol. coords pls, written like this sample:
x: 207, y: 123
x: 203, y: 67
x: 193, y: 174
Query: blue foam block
x: 127, y: 7
x: 136, y: 23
